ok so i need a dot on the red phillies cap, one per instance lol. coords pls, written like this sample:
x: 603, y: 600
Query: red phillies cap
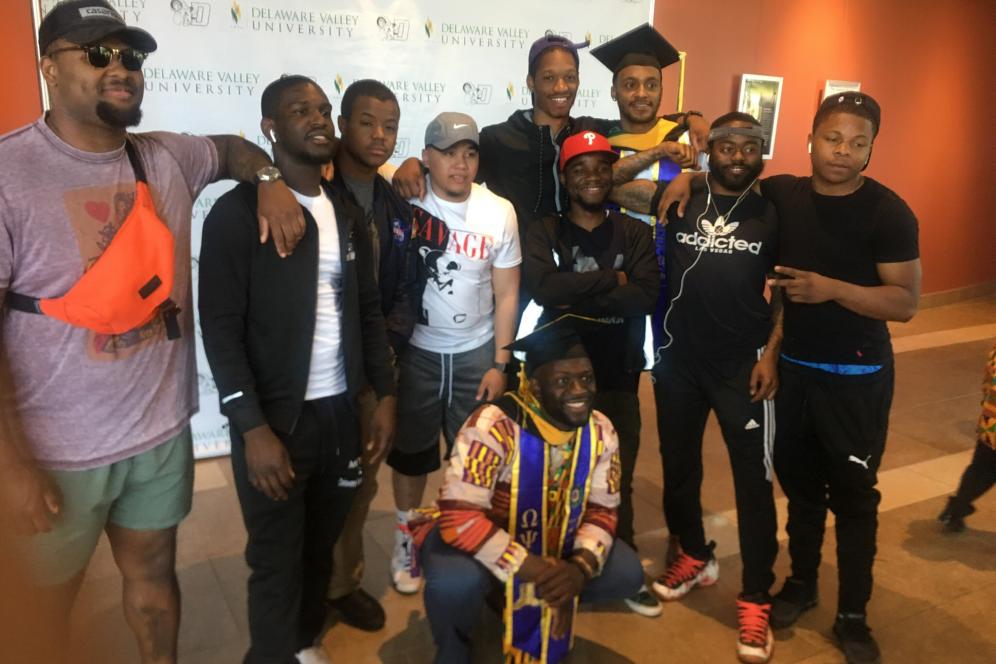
x: 583, y: 143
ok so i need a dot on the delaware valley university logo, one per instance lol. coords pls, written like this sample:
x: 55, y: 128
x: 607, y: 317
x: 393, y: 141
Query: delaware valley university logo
x: 294, y: 22
x: 393, y: 29
x: 188, y: 13
x: 476, y: 93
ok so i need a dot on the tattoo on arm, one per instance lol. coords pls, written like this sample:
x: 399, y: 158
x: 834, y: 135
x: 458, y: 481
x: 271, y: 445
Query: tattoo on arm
x: 238, y: 159
x: 629, y: 167
x: 635, y: 195
x: 777, y: 319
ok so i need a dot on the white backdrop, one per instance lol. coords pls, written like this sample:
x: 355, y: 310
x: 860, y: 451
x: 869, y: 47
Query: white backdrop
x: 216, y: 56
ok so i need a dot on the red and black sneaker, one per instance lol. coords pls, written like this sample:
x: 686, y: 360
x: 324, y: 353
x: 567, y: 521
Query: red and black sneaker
x: 684, y: 574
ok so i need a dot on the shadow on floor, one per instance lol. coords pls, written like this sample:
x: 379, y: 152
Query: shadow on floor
x: 927, y: 539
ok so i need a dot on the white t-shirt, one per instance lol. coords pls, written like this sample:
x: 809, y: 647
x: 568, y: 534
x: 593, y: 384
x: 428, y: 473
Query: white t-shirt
x: 327, y: 374
x: 458, y: 301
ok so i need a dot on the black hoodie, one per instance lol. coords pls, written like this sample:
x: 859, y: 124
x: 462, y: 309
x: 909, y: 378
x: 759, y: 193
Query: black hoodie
x: 519, y: 162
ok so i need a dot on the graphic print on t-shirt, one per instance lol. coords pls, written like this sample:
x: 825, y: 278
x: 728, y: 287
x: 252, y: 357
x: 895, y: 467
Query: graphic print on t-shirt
x: 717, y: 237
x: 96, y: 214
x: 443, y: 253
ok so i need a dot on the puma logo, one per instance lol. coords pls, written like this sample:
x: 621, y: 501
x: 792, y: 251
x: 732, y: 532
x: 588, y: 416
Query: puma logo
x: 863, y: 464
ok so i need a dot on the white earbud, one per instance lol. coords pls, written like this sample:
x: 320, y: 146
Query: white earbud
x: 273, y: 137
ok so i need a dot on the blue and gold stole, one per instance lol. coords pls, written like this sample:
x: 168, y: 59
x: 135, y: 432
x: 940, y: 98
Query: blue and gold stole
x: 528, y: 621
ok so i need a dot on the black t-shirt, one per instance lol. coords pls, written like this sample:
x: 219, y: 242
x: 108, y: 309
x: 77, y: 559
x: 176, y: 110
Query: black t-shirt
x: 718, y: 265
x: 842, y: 237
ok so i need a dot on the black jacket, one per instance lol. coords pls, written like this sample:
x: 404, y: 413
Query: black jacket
x: 519, y: 162
x: 400, y: 301
x: 257, y: 312
x: 554, y: 285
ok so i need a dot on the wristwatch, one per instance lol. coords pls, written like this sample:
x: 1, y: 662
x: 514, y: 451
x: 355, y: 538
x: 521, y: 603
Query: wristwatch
x: 500, y: 366
x: 268, y: 174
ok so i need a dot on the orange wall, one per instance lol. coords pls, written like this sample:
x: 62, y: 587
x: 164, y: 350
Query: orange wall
x: 928, y: 64
x: 22, y: 96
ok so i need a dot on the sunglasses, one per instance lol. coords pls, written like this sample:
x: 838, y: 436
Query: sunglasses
x: 101, y: 56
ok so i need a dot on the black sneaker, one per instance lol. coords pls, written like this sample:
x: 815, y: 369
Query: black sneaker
x: 855, y: 639
x: 360, y: 609
x: 645, y: 603
x: 953, y: 516
x: 792, y: 600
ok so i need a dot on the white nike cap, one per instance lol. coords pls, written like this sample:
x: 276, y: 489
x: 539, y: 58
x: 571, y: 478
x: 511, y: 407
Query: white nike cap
x: 448, y: 129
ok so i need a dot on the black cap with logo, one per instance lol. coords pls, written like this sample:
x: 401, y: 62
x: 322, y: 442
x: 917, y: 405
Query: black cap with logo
x: 86, y: 22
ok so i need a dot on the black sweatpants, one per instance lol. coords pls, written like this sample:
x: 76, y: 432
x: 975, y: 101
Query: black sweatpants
x: 623, y: 410
x: 828, y: 447
x: 979, y: 477
x: 686, y: 388
x: 289, y: 551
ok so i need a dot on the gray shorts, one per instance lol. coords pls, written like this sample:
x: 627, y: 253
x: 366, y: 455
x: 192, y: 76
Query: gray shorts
x: 436, y: 392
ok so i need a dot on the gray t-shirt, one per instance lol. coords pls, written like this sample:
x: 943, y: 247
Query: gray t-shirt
x: 87, y: 399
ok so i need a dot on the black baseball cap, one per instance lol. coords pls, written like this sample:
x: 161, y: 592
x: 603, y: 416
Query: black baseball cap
x: 851, y: 101
x: 549, y: 41
x: 85, y: 22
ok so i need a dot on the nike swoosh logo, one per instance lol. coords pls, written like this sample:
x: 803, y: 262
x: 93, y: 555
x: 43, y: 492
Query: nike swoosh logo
x: 459, y: 126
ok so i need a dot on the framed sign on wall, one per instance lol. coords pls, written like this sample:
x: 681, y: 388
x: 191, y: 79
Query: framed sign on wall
x: 760, y: 97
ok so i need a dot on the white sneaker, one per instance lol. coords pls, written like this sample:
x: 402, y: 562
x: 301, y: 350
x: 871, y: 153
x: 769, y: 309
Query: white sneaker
x: 405, y: 572
x: 313, y: 655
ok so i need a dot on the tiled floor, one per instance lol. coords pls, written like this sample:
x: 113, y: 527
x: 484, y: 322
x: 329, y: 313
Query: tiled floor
x: 934, y: 598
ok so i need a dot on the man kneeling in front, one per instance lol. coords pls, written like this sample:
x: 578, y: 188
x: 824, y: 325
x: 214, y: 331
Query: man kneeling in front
x: 529, y: 506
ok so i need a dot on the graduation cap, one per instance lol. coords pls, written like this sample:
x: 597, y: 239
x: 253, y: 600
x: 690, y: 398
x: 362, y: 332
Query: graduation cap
x: 557, y: 340
x: 640, y: 46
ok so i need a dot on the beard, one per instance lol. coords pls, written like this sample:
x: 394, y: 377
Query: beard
x: 737, y: 182
x: 315, y: 158
x: 120, y: 118
x: 629, y: 116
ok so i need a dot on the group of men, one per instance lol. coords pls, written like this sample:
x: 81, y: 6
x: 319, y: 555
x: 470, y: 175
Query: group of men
x: 350, y: 319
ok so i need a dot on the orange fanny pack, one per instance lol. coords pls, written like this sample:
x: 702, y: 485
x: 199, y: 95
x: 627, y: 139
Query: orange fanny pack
x: 130, y: 282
